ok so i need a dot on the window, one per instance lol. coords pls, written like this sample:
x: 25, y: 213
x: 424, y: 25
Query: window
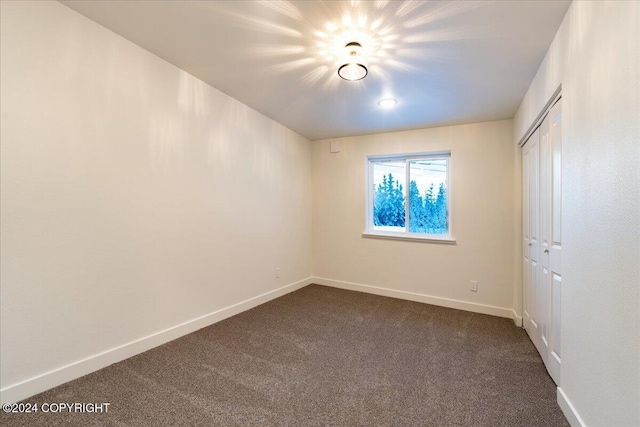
x: 409, y: 197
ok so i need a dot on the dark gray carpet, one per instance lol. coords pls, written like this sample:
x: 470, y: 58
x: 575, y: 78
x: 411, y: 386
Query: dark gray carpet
x: 322, y: 356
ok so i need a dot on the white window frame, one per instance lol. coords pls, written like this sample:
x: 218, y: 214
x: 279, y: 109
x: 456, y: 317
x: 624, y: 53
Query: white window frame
x: 406, y: 235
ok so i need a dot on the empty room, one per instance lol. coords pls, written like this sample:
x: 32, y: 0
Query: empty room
x: 320, y: 213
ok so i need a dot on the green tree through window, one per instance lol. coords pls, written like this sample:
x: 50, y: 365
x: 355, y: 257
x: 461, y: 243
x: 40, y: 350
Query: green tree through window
x: 388, y: 205
x: 427, y: 214
x: 413, y: 188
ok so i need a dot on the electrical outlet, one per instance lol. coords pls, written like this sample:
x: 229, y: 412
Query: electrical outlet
x: 277, y: 273
x: 474, y: 286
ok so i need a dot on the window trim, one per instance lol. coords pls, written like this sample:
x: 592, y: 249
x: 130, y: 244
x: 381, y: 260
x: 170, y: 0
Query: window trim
x: 370, y: 232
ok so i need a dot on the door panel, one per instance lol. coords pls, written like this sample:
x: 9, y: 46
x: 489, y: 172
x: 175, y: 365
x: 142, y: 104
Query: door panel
x: 553, y: 258
x: 555, y: 316
x: 534, y: 242
x: 544, y: 285
x: 531, y: 191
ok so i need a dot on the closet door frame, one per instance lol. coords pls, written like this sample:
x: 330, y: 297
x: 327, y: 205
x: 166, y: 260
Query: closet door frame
x: 541, y: 234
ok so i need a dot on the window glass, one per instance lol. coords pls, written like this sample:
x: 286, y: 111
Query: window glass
x: 409, y: 195
x: 389, y: 196
x: 428, y: 196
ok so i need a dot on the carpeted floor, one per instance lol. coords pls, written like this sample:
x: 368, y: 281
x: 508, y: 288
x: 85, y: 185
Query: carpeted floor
x: 324, y: 357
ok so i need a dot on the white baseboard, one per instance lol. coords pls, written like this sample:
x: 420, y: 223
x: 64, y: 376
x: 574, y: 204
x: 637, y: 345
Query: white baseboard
x: 412, y: 296
x: 35, y: 385
x: 568, y: 410
x: 516, y: 319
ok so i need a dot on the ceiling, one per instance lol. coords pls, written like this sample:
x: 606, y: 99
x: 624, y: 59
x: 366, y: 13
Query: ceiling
x: 446, y: 62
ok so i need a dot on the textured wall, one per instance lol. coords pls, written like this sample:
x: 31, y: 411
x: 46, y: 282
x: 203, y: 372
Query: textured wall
x: 596, y: 57
x: 134, y: 196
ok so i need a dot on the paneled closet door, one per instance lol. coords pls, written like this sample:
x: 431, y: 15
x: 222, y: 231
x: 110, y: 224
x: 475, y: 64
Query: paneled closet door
x: 542, y: 275
x: 531, y: 245
x: 551, y: 237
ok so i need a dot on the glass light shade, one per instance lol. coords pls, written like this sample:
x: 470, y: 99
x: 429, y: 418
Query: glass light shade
x: 352, y: 71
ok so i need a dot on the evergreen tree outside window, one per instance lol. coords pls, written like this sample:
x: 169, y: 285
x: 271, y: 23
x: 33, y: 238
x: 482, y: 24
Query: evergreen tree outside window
x: 408, y: 196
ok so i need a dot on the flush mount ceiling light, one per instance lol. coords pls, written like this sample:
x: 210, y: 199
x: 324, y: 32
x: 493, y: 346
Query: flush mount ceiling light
x: 352, y: 69
x: 387, y: 102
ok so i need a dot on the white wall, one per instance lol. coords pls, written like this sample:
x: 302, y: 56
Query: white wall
x: 596, y: 58
x: 482, y: 217
x: 134, y: 196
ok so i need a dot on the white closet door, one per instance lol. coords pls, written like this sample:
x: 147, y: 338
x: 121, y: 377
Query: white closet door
x: 551, y: 237
x: 531, y: 250
x: 542, y: 275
